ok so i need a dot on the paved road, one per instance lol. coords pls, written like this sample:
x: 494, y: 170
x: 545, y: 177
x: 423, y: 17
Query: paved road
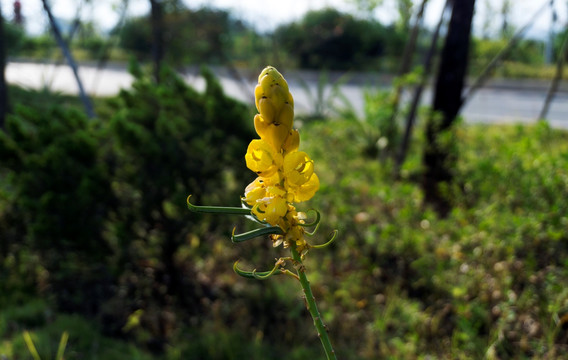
x: 499, y: 102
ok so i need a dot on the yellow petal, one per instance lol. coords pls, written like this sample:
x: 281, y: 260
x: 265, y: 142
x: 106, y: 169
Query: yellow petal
x: 306, y: 191
x: 286, y: 116
x: 254, y: 191
x: 270, y: 209
x: 298, y: 168
x: 272, y: 134
x: 262, y: 159
x: 258, y: 94
x: 266, y: 110
x: 292, y: 142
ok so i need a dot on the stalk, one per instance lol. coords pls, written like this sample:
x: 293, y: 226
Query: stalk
x: 312, y: 307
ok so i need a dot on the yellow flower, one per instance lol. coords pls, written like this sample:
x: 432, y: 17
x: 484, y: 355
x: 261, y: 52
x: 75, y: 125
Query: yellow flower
x: 262, y: 159
x: 300, y: 179
x: 292, y: 142
x: 270, y: 209
x: 298, y: 168
x: 307, y: 190
x: 273, y: 133
x: 254, y: 191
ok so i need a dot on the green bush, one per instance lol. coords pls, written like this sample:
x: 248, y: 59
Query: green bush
x: 329, y: 39
x: 190, y: 37
x: 13, y: 38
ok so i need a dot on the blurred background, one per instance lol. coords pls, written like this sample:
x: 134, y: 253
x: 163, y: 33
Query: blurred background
x: 437, y: 128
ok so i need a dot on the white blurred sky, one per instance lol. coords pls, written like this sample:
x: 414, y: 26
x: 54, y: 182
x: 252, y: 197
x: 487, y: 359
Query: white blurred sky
x: 267, y: 14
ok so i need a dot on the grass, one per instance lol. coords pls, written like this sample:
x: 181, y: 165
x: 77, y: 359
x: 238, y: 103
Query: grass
x: 483, y: 282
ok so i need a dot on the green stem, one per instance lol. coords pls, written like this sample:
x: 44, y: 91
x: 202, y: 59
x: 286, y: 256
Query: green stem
x: 312, y: 307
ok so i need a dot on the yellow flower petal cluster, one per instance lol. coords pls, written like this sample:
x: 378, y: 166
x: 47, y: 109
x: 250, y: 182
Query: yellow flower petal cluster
x: 285, y: 174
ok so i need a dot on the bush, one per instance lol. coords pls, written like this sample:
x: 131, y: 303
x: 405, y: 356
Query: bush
x: 13, y: 38
x: 190, y: 37
x: 331, y: 40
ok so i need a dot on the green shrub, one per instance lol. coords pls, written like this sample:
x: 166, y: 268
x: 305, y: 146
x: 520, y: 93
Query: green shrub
x: 329, y: 39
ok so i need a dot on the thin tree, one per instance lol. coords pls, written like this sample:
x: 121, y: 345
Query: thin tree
x: 410, y: 118
x: 562, y: 54
x: 438, y: 159
x: 3, y: 86
x: 406, y: 61
x: 70, y: 60
x: 408, y: 53
x: 104, y: 54
x: 157, y: 21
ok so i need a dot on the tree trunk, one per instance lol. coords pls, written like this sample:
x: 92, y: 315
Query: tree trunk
x: 67, y: 53
x: 3, y: 85
x: 157, y: 37
x: 438, y: 157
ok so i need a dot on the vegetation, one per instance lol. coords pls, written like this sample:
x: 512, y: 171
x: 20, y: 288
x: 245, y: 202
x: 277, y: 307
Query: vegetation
x: 324, y: 38
x: 331, y: 40
x: 100, y: 258
x: 96, y: 240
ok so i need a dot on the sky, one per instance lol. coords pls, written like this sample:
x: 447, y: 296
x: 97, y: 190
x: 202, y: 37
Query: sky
x: 265, y: 15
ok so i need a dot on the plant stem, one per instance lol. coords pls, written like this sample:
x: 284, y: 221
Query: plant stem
x: 312, y: 307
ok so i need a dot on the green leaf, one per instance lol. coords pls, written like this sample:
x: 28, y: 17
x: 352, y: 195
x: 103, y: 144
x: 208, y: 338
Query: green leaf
x: 258, y: 275
x: 217, y: 209
x: 269, y: 230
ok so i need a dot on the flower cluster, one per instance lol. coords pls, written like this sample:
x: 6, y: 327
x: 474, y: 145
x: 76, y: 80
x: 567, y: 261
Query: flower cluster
x: 285, y: 175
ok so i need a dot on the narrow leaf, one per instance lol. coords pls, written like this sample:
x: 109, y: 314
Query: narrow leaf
x: 237, y: 238
x: 258, y: 275
x: 217, y: 209
x: 327, y: 243
x: 62, y: 345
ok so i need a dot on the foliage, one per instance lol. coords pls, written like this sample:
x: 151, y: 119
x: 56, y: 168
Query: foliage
x: 13, y: 38
x: 331, y: 40
x: 487, y: 281
x: 527, y: 52
x: 483, y: 281
x: 61, y: 193
x: 97, y: 207
x: 85, y: 341
x: 200, y: 36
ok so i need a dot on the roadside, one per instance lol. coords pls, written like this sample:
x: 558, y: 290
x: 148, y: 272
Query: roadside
x: 501, y: 100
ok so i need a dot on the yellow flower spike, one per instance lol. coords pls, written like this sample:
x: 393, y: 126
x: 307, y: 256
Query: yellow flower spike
x: 285, y: 176
x: 262, y: 159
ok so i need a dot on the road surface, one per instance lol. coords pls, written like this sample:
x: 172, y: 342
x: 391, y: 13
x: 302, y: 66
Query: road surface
x: 500, y: 102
